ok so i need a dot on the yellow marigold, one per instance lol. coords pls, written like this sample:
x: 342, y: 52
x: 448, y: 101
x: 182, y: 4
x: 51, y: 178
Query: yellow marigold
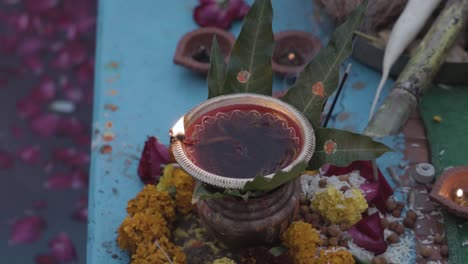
x: 141, y: 227
x: 150, y: 199
x: 335, y: 256
x: 338, y: 207
x: 151, y: 253
x: 224, y: 261
x: 183, y: 183
x: 302, y: 240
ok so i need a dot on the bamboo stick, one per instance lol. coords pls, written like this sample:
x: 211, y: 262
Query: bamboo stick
x: 417, y: 75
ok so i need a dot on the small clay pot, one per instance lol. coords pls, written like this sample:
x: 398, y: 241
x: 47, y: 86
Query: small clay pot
x: 194, y: 48
x: 254, y: 222
x: 293, y: 50
x: 446, y: 184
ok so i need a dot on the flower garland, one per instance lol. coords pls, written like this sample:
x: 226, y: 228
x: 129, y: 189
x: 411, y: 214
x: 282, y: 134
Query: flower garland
x: 145, y: 232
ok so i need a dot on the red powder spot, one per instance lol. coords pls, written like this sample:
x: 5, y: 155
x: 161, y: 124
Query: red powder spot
x: 112, y: 92
x: 112, y: 79
x: 318, y: 89
x: 108, y: 136
x: 109, y: 124
x: 105, y: 149
x: 111, y: 107
x: 243, y: 76
x: 329, y: 147
x: 113, y: 65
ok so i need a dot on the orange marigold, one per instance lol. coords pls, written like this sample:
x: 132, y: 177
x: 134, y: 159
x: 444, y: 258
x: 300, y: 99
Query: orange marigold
x: 152, y: 200
x: 158, y: 252
x: 335, y: 256
x: 302, y: 240
x: 183, y: 183
x: 141, y: 227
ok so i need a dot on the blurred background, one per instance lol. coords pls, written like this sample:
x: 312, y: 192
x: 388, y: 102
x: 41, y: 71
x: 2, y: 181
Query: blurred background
x: 46, y: 89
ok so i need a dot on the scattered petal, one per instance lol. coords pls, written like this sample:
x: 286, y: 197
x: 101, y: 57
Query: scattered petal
x: 26, y: 230
x: 29, y: 46
x: 79, y: 179
x: 45, y: 125
x: 153, y: 156
x: 243, y: 10
x: 63, y: 154
x: 62, y: 248
x: 60, y: 181
x: 243, y: 76
x: 39, y: 6
x: 45, y: 91
x: 81, y: 209
x: 34, y: 63
x: 73, y: 94
x: 368, y: 233
x: 30, y: 155
x: 85, y: 72
x: 45, y: 259
x: 70, y: 126
x: 6, y: 161
x: 27, y: 107
x: 83, y: 139
x: 212, y: 13
x: 62, y: 106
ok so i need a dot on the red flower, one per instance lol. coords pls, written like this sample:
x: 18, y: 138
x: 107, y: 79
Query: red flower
x: 62, y: 248
x: 26, y: 230
x: 153, y: 156
x: 219, y: 13
x: 376, y: 193
x: 368, y: 233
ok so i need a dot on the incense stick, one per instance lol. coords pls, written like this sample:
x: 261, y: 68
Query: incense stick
x: 340, y: 88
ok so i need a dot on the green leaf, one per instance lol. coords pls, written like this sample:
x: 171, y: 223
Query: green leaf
x: 217, y: 73
x: 261, y: 183
x: 202, y: 193
x: 360, y: 261
x: 278, y: 251
x: 319, y: 79
x: 340, y: 148
x: 249, y: 68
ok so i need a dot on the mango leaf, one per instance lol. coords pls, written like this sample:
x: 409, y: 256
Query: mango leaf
x: 319, y: 79
x: 202, y: 193
x: 261, y: 183
x: 278, y: 251
x: 217, y: 73
x: 249, y: 68
x: 341, y: 147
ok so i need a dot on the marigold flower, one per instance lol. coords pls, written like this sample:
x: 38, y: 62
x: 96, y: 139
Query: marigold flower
x: 183, y: 183
x: 151, y: 200
x: 141, y: 227
x: 335, y: 256
x: 158, y: 252
x: 338, y: 207
x: 302, y: 240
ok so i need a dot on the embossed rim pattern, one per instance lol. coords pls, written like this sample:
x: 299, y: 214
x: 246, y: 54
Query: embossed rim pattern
x: 308, y: 144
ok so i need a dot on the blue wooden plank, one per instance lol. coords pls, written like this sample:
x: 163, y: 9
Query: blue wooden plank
x: 134, y: 71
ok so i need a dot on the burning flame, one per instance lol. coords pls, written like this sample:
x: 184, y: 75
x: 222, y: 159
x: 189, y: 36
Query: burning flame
x: 459, y: 193
x: 178, y: 129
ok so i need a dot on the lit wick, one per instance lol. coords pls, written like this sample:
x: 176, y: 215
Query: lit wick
x: 459, y: 197
x: 291, y: 56
x: 177, y: 132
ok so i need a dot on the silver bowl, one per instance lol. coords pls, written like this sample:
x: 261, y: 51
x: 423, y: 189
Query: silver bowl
x: 306, y: 132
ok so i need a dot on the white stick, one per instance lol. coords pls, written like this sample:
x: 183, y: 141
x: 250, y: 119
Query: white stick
x: 406, y: 28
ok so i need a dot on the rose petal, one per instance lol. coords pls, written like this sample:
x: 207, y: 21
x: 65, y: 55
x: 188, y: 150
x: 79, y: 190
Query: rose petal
x: 211, y: 15
x: 63, y: 154
x: 83, y: 139
x: 368, y: 233
x: 85, y: 72
x: 70, y: 126
x: 370, y: 190
x: 79, y: 179
x: 45, y: 125
x: 366, y: 171
x: 154, y: 154
x: 27, y: 107
x: 30, y: 154
x: 60, y: 181
x: 62, y: 61
x: 45, y: 259
x: 62, y: 248
x: 45, y: 91
x: 29, y: 45
x: 26, y: 230
x: 6, y: 161
x: 81, y: 209
x: 34, y: 64
x: 39, y: 6
x: 243, y: 10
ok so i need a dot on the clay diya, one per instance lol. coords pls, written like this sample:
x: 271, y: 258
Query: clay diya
x: 451, y: 191
x: 227, y: 141
x: 193, y: 49
x: 293, y: 50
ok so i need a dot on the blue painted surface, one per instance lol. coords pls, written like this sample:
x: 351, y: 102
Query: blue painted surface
x: 134, y: 70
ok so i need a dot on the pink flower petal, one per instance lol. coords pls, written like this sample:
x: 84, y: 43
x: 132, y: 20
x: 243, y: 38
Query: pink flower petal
x: 70, y: 126
x: 45, y: 125
x: 81, y: 209
x: 79, y: 179
x: 45, y: 91
x: 8, y: 44
x: 63, y: 154
x: 80, y: 159
x: 60, y: 181
x: 6, y: 161
x: 34, y: 64
x: 29, y: 45
x: 366, y: 171
x: 243, y: 10
x: 154, y: 154
x: 45, y: 259
x: 83, y: 139
x: 62, y: 61
x: 73, y: 94
x: 27, y: 107
x: 85, y: 72
x: 30, y: 155
x: 368, y: 233
x: 62, y: 248
x: 39, y: 6
x: 26, y: 230
x: 211, y: 15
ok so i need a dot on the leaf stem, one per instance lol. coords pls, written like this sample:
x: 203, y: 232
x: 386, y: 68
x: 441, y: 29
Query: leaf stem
x: 164, y: 252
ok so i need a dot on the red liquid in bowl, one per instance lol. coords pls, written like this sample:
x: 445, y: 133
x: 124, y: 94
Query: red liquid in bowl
x: 243, y: 141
